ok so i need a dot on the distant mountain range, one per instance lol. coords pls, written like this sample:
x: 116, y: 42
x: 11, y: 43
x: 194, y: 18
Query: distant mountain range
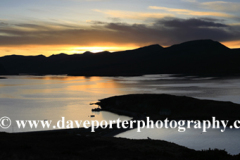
x: 200, y: 57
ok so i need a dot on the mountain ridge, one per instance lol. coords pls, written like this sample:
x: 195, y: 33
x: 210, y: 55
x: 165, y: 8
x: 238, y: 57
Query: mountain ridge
x: 199, y: 57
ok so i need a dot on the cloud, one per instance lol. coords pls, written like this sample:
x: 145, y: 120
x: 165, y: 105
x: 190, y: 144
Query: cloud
x: 166, y: 31
x: 217, y: 5
x: 221, y: 6
x: 190, y: 23
x: 87, y: 0
x: 192, y: 1
x: 234, y: 24
x: 133, y: 15
x: 173, y: 30
x: 191, y: 12
x: 3, y: 23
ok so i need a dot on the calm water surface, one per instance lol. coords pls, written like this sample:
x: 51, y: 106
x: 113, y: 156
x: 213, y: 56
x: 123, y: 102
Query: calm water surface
x: 53, y: 97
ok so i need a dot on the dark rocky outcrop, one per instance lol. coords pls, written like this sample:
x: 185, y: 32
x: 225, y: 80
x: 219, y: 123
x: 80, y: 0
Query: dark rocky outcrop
x: 161, y: 106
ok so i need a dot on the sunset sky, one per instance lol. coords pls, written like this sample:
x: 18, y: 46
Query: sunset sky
x: 33, y: 27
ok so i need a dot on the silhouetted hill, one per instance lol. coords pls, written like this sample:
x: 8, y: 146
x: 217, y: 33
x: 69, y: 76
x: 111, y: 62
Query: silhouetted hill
x: 2, y: 70
x: 200, y: 45
x: 59, y: 55
x: 87, y: 53
x: 200, y: 57
x: 151, y: 48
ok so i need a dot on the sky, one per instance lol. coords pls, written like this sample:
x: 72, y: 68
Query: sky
x: 34, y: 27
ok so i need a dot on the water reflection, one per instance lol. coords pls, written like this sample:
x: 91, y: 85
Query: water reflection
x: 50, y: 97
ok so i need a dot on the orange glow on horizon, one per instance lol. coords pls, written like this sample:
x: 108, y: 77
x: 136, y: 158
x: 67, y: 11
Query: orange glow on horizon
x: 232, y: 44
x: 96, y: 49
x: 49, y: 50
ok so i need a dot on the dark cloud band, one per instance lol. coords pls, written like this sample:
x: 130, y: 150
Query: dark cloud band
x: 165, y: 31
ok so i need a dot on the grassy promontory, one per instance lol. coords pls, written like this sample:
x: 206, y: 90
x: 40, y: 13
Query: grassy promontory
x: 161, y: 106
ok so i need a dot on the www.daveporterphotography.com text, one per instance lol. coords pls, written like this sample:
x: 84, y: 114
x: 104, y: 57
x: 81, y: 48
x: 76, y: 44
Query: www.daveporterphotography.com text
x: 180, y: 125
